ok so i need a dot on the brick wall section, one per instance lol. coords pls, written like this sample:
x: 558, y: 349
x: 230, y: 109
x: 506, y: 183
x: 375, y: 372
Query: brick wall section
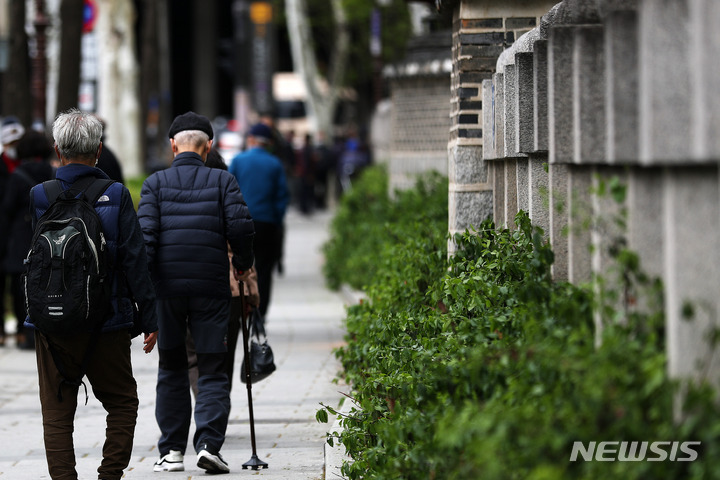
x: 477, y: 44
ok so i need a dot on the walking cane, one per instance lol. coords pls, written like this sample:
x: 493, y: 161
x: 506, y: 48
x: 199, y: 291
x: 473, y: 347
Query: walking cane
x: 254, y: 463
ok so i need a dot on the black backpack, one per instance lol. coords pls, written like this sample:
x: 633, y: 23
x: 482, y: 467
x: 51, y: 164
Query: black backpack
x: 67, y: 277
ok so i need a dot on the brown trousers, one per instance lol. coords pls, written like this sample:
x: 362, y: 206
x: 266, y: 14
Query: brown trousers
x: 109, y: 374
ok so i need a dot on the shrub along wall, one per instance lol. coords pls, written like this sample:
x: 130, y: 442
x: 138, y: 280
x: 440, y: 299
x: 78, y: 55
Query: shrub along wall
x: 480, y: 366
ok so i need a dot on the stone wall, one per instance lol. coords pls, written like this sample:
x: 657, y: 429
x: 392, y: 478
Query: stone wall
x: 481, y: 32
x: 608, y: 91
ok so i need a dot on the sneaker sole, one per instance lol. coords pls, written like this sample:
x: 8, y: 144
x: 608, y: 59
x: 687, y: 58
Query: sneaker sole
x: 169, y: 468
x: 211, y: 467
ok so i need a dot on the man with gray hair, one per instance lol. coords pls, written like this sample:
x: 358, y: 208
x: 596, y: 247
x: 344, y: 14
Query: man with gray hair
x: 189, y: 214
x: 107, y: 363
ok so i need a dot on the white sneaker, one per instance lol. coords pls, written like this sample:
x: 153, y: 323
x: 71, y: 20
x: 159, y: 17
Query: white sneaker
x: 172, y: 462
x: 212, y: 463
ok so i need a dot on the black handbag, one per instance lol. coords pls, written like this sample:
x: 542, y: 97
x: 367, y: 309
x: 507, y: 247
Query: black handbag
x: 262, y: 361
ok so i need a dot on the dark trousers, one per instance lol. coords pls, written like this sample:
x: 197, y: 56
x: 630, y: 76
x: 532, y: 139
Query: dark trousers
x: 2, y: 302
x: 110, y: 375
x: 234, y: 328
x: 207, y: 320
x: 267, y: 247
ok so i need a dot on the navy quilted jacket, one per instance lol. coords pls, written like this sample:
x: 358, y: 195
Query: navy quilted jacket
x: 125, y: 244
x: 188, y: 214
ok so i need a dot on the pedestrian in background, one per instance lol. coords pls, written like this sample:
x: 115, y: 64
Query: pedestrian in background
x: 11, y: 130
x: 252, y: 299
x: 262, y: 180
x: 109, y: 368
x: 189, y: 213
x: 108, y: 162
x: 33, y: 151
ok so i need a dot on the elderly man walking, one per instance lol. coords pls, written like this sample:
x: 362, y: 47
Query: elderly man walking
x: 108, y: 366
x: 189, y: 213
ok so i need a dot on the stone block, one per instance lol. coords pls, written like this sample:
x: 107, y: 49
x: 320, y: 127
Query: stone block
x: 524, y: 141
x: 589, y: 94
x: 509, y: 105
x: 498, y: 173
x: 558, y: 187
x: 645, y: 218
x: 665, y: 86
x: 705, y: 70
x: 579, y: 222
x: 692, y: 254
x: 539, y: 192
x: 560, y: 94
x: 523, y: 184
x: 488, y: 120
x: 608, y: 233
x: 499, y: 107
x: 467, y: 166
x: 621, y: 49
x: 511, y: 192
x: 468, y: 209
x: 540, y: 96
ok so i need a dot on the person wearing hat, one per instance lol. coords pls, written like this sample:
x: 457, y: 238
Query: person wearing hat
x: 34, y: 150
x: 262, y: 180
x: 189, y: 214
x: 11, y: 131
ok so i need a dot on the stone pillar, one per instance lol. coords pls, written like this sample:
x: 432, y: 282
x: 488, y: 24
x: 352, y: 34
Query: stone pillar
x: 692, y: 256
x: 589, y: 94
x: 705, y: 72
x: 523, y: 184
x: 510, y: 114
x: 560, y: 97
x: 498, y: 169
x: 477, y: 42
x: 540, y: 96
x: 621, y: 50
x: 488, y: 112
x: 645, y: 218
x: 470, y: 196
x: 524, y: 128
x: 539, y: 192
x: 511, y: 192
x: 665, y: 107
x: 558, y: 187
x: 579, y: 221
x: 499, y: 121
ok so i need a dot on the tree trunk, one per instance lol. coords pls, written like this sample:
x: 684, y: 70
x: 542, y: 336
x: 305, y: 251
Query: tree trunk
x: 323, y: 93
x: 154, y: 81
x: 71, y: 18
x: 118, y: 82
x: 17, y: 99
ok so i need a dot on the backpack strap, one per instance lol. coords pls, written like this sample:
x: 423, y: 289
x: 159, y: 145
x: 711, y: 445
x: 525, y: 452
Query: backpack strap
x: 95, y: 189
x: 53, y: 189
x: 91, y: 188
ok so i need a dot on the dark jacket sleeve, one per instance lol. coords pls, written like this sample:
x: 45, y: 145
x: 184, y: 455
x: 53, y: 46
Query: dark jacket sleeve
x: 239, y: 228
x: 148, y: 215
x: 134, y: 263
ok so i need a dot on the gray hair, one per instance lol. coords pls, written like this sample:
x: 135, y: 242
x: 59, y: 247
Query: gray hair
x: 77, y: 134
x: 191, y: 138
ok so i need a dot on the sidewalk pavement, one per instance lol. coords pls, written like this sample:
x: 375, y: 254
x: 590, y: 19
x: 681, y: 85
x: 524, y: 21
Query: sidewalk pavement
x: 304, y: 325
